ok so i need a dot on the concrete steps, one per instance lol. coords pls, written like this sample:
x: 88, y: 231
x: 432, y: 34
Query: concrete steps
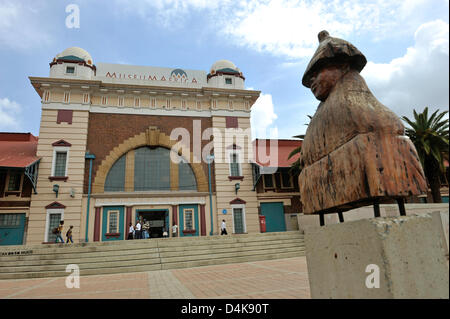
x: 145, y: 255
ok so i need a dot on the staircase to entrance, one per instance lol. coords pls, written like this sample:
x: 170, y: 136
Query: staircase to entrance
x: 51, y: 260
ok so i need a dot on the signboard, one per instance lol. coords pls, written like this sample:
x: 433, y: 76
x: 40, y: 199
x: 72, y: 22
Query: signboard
x: 224, y: 211
x: 149, y: 75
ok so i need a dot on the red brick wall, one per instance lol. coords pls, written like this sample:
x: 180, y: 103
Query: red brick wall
x: 106, y: 131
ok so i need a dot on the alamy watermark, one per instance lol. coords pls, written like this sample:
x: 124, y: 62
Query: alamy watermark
x: 73, y: 19
x: 73, y: 280
x: 373, y: 280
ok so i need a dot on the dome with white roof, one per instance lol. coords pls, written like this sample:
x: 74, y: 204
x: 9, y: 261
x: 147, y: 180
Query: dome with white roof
x: 224, y: 66
x: 75, y: 54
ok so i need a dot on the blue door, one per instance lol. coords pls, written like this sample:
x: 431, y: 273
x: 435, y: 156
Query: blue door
x: 274, y: 213
x: 113, y: 223
x: 188, y: 217
x: 12, y: 228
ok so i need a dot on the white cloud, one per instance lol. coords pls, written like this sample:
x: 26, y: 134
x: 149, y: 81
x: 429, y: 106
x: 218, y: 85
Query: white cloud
x: 21, y: 26
x: 10, y: 112
x: 263, y: 117
x: 288, y: 28
x: 419, y: 78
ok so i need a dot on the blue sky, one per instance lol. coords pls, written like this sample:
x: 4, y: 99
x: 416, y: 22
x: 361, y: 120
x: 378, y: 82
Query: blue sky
x: 405, y: 43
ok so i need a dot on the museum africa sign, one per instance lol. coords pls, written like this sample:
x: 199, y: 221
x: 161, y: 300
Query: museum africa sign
x: 128, y: 73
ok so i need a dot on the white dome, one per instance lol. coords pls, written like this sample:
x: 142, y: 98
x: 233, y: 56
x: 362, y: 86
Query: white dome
x: 76, y: 52
x: 223, y: 64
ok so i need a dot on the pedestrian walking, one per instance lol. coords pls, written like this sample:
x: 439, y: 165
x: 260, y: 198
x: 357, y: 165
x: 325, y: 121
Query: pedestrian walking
x: 174, y: 230
x: 130, y: 232
x: 223, y: 227
x: 58, y: 232
x: 69, y: 235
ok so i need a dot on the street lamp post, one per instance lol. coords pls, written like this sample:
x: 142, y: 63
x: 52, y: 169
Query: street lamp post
x: 210, y: 158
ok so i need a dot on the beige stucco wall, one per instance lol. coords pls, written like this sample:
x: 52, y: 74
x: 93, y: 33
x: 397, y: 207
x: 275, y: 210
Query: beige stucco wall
x: 50, y: 132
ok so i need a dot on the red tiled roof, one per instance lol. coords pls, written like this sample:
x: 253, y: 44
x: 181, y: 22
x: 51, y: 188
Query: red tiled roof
x: 281, y: 149
x: 17, y: 150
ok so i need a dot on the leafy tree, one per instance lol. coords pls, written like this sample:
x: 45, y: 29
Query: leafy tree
x: 430, y: 136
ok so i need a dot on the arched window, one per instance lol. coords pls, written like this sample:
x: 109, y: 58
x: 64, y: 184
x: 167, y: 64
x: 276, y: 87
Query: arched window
x: 115, y: 180
x: 186, y: 177
x: 151, y: 169
x: 151, y: 172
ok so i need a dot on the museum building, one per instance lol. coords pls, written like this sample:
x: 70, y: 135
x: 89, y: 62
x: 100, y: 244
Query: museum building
x: 121, y: 143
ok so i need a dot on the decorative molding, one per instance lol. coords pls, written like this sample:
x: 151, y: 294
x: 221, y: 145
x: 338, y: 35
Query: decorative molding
x: 238, y: 201
x: 55, y: 205
x: 62, y: 143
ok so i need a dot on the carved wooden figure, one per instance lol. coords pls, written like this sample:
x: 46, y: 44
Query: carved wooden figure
x: 355, y: 152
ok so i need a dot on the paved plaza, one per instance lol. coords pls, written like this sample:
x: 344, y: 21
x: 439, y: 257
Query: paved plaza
x: 269, y: 279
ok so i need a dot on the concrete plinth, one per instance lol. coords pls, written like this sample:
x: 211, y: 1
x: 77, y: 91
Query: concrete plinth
x: 407, y: 252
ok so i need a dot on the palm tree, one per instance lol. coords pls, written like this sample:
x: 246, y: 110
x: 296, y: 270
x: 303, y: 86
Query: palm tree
x: 431, y: 139
x: 296, y: 166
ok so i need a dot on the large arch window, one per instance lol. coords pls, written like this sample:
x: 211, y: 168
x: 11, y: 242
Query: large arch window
x: 151, y: 170
x: 186, y: 177
x: 115, y: 180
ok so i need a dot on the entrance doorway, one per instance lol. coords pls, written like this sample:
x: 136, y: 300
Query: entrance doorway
x: 157, y: 219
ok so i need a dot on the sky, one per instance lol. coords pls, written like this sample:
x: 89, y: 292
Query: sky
x: 406, y: 43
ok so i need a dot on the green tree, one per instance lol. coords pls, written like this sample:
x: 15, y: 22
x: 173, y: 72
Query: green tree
x: 296, y: 166
x: 430, y: 136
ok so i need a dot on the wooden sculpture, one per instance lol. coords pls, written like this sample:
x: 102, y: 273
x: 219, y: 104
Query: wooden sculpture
x: 354, y: 152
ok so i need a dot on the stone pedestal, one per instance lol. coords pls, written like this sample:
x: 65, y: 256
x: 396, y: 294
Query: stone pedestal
x: 395, y: 257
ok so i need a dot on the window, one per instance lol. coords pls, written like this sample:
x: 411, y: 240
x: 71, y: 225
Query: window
x: 183, y: 104
x: 199, y: 105
x: 10, y: 220
x: 113, y: 217
x: 268, y: 181
x: 120, y: 101
x: 168, y: 104
x: 228, y: 81
x: 214, y: 104
x: 14, y: 181
x: 60, y: 164
x: 188, y: 219
x: 151, y: 169
x: 70, y: 70
x: 104, y: 100
x: 137, y: 102
x: 239, y: 226
x: 115, y: 180
x: 54, y: 216
x: 235, y: 168
x: 153, y: 102
x: 286, y: 179
x: 186, y: 177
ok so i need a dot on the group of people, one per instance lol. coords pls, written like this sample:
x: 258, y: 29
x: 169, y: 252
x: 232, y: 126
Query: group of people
x: 142, y: 231
x: 58, y: 231
x: 135, y: 232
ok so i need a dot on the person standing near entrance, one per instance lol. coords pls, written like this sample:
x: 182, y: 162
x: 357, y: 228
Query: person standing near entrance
x: 223, y: 228
x: 130, y: 232
x: 174, y: 230
x: 138, y: 230
x: 145, y: 230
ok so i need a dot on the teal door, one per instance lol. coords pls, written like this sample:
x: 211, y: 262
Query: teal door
x: 188, y: 217
x: 274, y: 213
x: 113, y: 223
x: 12, y: 228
